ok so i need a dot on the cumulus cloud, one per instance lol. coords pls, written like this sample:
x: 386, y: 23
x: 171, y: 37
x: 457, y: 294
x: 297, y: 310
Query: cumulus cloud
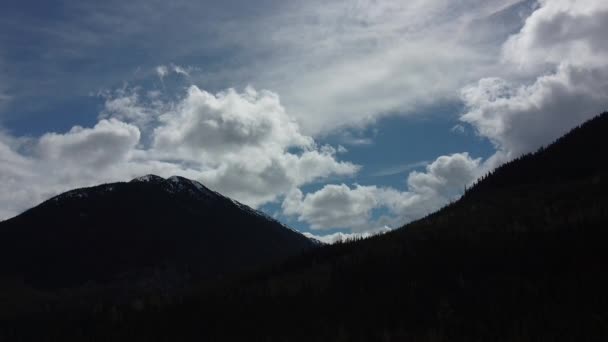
x: 445, y: 174
x: 206, y: 125
x: 341, y: 206
x: 241, y: 144
x: 571, y: 31
x: 334, y: 206
x: 247, y: 142
x: 34, y: 169
x: 521, y: 118
x: 107, y: 143
x: 560, y: 59
x: 13, y: 169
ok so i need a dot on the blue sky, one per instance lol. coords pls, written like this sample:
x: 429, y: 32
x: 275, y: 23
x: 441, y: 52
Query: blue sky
x: 339, y: 116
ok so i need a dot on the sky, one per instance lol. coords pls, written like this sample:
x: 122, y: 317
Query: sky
x: 338, y: 118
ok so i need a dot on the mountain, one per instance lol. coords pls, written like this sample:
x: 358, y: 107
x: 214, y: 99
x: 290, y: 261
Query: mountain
x: 520, y: 257
x: 149, y: 232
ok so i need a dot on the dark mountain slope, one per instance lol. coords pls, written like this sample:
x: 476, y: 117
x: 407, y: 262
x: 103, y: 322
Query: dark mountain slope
x: 578, y: 155
x: 521, y: 257
x: 150, y: 230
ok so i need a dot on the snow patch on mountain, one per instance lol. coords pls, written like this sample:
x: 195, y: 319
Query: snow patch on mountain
x: 148, y: 179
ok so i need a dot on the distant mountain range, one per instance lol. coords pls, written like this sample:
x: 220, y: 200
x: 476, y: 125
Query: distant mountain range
x: 149, y: 232
x: 520, y: 257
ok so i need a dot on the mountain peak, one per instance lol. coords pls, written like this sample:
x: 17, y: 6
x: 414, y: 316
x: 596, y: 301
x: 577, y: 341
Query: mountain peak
x: 149, y: 178
x: 142, y: 229
x: 175, y: 184
x: 183, y: 181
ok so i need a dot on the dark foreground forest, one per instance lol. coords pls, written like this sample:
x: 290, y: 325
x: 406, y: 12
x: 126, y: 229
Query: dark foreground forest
x: 521, y: 256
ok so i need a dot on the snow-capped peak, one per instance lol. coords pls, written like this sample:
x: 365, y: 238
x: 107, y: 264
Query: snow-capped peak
x: 182, y: 183
x: 148, y: 178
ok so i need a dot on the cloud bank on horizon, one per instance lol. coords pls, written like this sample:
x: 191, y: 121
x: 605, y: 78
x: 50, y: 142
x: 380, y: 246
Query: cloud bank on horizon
x: 523, y: 72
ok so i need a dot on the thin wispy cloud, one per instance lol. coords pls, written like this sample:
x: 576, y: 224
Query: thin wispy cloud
x: 400, y: 169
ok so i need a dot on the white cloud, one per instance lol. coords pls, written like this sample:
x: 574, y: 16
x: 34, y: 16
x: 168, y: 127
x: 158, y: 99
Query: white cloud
x: 561, y: 31
x: 335, y: 64
x: 394, y: 170
x: 14, y: 168
x: 162, y: 71
x: 355, y: 138
x: 521, y: 118
x: 125, y: 104
x: 334, y: 206
x: 246, y: 141
x: 445, y: 175
x: 563, y: 50
x: 180, y: 70
x: 206, y: 125
x: 341, y: 206
x: 108, y: 143
x: 241, y: 144
x: 35, y: 169
x: 356, y: 61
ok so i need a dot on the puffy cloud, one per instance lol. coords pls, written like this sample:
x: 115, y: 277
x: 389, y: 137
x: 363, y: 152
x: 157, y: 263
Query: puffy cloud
x: 563, y: 50
x: 32, y: 170
x: 445, y: 174
x: 205, y: 125
x: 334, y: 206
x: 247, y: 143
x: 109, y: 142
x: 521, y: 118
x: 260, y: 179
x: 341, y: 206
x: 559, y: 31
x: 14, y: 168
x: 241, y: 144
